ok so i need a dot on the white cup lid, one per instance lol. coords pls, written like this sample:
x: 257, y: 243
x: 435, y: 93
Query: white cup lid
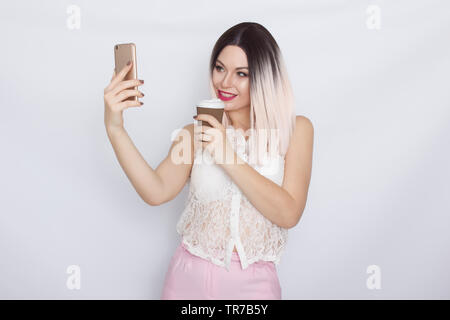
x: 211, y: 103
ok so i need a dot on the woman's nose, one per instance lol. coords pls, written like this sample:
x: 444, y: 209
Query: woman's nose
x: 227, y: 81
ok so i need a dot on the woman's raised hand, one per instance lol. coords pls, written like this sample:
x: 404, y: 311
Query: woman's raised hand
x: 115, y: 94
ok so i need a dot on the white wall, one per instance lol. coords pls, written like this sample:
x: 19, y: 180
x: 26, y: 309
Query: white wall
x: 378, y: 99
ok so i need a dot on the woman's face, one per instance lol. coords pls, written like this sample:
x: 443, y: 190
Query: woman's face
x: 228, y: 76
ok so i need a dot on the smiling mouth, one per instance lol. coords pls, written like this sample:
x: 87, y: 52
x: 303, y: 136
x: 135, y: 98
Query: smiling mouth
x: 227, y: 93
x: 226, y: 96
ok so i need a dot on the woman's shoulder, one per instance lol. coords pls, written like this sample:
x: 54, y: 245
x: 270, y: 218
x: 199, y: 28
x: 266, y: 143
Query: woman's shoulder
x: 303, y: 132
x: 303, y: 121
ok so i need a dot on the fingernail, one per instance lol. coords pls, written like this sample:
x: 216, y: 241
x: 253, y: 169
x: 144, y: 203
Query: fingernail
x: 142, y: 81
x: 128, y: 63
x: 195, y: 117
x: 141, y: 103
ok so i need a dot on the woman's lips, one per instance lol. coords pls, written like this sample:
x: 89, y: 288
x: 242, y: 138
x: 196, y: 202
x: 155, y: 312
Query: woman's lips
x: 225, y: 98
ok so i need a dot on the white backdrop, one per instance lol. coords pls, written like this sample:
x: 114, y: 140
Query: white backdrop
x: 372, y: 76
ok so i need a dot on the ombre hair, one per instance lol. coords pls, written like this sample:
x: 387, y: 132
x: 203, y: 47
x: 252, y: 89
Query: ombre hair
x: 272, y: 110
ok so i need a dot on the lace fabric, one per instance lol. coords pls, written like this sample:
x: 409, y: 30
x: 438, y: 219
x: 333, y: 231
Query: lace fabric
x: 218, y: 216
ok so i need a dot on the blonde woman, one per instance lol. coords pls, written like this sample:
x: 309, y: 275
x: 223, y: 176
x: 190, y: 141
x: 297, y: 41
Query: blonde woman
x: 237, y: 215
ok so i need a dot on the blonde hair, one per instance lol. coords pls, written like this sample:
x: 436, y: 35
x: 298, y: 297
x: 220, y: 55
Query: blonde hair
x: 272, y: 106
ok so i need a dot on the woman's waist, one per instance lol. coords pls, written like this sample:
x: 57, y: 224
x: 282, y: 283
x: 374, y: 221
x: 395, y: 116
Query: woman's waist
x: 234, y: 254
x: 259, y: 258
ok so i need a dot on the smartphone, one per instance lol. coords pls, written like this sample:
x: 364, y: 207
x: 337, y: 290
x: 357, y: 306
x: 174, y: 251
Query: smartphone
x: 123, y: 53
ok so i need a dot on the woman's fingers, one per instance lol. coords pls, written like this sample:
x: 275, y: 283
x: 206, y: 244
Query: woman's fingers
x: 205, y: 137
x: 129, y: 103
x: 200, y: 134
x: 117, y: 78
x: 125, y: 94
x: 126, y: 84
x: 122, y: 73
x: 198, y: 130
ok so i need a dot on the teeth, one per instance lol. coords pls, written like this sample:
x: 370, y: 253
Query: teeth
x: 227, y: 95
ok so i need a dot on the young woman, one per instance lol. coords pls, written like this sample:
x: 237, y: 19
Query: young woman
x: 234, y: 226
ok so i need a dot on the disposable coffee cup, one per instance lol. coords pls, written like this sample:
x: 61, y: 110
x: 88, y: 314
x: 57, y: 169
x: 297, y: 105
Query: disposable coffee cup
x: 213, y: 107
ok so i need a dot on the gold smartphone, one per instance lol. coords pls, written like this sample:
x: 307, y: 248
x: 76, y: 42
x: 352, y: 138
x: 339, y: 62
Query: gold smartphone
x: 123, y: 53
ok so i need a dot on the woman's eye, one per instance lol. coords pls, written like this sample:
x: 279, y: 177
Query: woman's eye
x: 217, y: 68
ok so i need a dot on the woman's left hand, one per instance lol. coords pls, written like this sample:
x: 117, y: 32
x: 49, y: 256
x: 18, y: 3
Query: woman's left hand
x: 214, y: 139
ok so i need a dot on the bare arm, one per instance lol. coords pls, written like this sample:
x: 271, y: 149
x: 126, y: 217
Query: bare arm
x: 153, y: 186
x: 175, y: 169
x: 144, y: 179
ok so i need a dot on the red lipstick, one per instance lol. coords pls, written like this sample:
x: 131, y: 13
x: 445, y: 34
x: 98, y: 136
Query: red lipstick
x: 225, y: 98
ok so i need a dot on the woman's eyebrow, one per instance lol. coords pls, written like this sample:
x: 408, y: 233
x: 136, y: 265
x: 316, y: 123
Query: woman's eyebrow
x: 236, y: 68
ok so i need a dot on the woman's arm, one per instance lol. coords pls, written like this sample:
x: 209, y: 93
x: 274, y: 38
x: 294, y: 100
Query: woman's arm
x: 144, y: 179
x: 160, y: 185
x: 153, y: 186
x: 282, y: 205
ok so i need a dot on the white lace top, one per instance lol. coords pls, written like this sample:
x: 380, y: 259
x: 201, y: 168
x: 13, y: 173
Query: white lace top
x: 218, y: 216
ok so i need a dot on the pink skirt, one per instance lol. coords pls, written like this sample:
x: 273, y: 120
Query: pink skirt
x: 190, y: 277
